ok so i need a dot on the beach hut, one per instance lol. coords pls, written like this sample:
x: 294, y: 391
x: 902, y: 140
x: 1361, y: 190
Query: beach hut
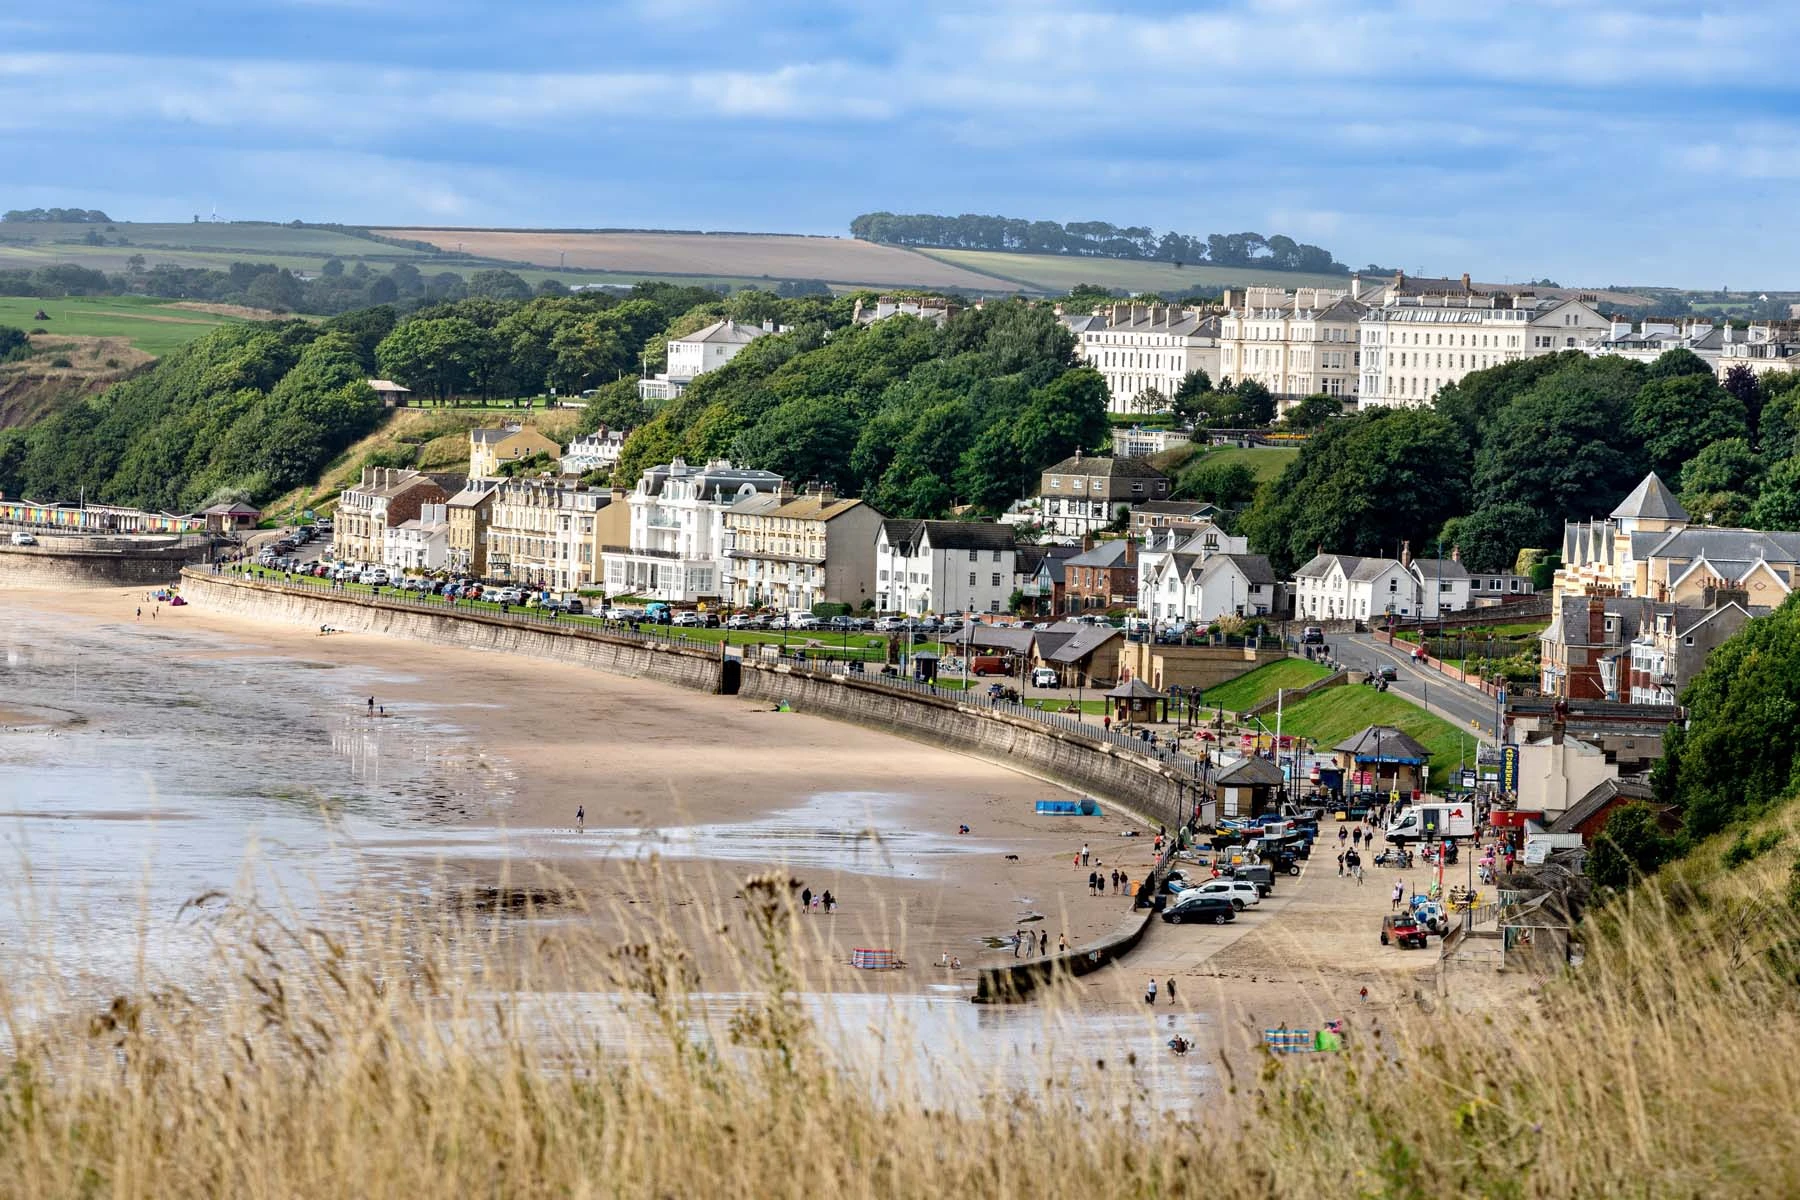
x: 1383, y: 759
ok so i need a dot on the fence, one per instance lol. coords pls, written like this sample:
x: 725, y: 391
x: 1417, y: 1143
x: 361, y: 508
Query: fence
x: 816, y: 659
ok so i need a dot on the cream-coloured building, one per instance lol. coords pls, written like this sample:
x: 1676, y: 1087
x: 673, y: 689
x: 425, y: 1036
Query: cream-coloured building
x: 383, y: 498
x: 544, y: 534
x: 490, y: 448
x: 1297, y: 344
x: 1772, y: 346
x: 791, y: 552
x: 1416, y: 343
x: 1138, y: 347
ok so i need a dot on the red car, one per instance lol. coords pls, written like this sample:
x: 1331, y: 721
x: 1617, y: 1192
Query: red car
x: 1404, y: 930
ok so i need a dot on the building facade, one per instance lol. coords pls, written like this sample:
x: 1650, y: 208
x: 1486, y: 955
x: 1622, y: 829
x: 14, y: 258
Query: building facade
x: 793, y: 552
x: 1104, y: 575
x: 676, y: 549
x: 1344, y: 587
x: 924, y: 567
x: 419, y: 546
x: 545, y: 535
x: 469, y: 514
x: 383, y: 498
x: 594, y: 451
x: 1081, y: 496
x: 699, y: 352
x: 1140, y: 348
x: 489, y: 449
x: 1413, y: 345
x: 1296, y: 344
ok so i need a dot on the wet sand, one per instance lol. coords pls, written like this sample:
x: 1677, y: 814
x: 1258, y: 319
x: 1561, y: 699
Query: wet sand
x: 473, y: 766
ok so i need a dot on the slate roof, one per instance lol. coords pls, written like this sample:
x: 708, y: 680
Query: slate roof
x: 1726, y: 545
x: 1254, y: 567
x: 1251, y: 771
x: 1319, y: 566
x: 1177, y: 508
x: 471, y: 495
x: 1383, y: 742
x: 1084, y: 643
x: 1109, y: 553
x: 968, y: 535
x: 989, y: 637
x: 727, y: 332
x: 1372, y: 568
x: 1439, y: 568
x: 1106, y: 468
x: 1602, y: 794
x: 1136, y: 689
x: 1651, y: 499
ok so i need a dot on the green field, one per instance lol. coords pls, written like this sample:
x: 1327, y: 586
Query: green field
x: 153, y: 326
x: 1054, y: 274
x: 1330, y: 716
x: 1247, y: 691
x: 224, y: 236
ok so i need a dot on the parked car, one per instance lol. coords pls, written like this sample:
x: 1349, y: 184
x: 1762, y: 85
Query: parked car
x: 1241, y: 892
x: 890, y: 624
x: 1312, y: 635
x: 1260, y: 874
x: 688, y: 620
x: 1045, y: 677
x: 23, y: 539
x: 1404, y: 930
x: 1196, y: 907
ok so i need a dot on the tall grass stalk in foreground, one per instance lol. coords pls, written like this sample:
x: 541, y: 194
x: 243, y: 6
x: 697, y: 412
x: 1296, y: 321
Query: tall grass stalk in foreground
x: 396, y: 1059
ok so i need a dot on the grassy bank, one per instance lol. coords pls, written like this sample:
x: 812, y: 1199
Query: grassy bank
x: 153, y: 326
x: 1334, y: 714
x: 1249, y: 690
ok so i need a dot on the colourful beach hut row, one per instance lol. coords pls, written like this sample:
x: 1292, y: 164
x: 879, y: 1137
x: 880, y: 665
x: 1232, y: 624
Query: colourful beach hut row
x: 96, y: 518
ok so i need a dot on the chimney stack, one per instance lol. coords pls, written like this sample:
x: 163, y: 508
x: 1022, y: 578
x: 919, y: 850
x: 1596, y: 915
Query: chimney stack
x: 1455, y: 554
x: 1466, y: 281
x: 1406, y: 554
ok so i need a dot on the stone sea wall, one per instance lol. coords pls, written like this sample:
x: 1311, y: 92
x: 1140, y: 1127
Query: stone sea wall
x: 72, y: 562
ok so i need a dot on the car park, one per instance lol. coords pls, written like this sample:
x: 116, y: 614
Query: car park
x: 1193, y: 908
x: 688, y: 620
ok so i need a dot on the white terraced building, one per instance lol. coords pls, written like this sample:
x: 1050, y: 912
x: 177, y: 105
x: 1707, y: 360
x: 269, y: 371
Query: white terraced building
x: 1413, y: 344
x: 1139, y: 347
x: 677, y: 545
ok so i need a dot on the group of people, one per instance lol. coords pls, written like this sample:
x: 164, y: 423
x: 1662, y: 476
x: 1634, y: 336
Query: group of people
x: 1150, y: 990
x: 1115, y: 882
x: 813, y: 902
x: 1022, y: 939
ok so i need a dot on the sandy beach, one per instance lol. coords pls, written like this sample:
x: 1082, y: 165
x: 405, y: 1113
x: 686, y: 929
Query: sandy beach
x: 473, y: 766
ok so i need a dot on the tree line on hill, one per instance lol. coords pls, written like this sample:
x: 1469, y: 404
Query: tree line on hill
x: 1099, y: 239
x: 62, y: 216
x: 1507, y: 455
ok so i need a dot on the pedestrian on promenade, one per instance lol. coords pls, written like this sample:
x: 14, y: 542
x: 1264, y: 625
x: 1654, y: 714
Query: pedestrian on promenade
x: 1359, y: 877
x: 1106, y: 723
x: 1342, y: 834
x: 1340, y: 864
x: 581, y: 818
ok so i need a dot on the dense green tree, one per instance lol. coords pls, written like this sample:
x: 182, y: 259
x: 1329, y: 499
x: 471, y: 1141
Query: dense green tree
x: 1563, y: 447
x: 1477, y: 398
x: 1312, y: 412
x: 1187, y: 402
x: 432, y: 355
x: 14, y: 344
x: 1778, y: 425
x: 1736, y: 753
x: 1630, y: 846
x: 1255, y: 402
x: 1675, y: 415
x: 1490, y: 538
x: 1746, y: 385
x: 498, y: 285
x: 1672, y: 364
x: 1720, y: 483
x: 1363, y: 485
x: 1227, y: 484
x: 1777, y: 503
x: 807, y: 440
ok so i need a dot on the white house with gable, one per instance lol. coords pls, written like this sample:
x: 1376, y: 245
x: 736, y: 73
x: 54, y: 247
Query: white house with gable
x: 678, y: 542
x: 699, y: 352
x: 1344, y: 587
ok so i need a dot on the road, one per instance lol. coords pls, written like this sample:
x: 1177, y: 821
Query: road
x: 1458, y: 703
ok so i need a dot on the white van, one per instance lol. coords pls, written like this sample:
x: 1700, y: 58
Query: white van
x: 23, y: 539
x: 1045, y: 677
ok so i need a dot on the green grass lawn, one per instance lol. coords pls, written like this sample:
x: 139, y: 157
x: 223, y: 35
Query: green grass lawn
x: 1249, y: 690
x: 1057, y: 273
x: 151, y: 325
x: 1334, y: 714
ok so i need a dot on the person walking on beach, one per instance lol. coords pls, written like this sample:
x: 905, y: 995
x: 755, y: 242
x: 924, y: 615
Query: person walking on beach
x: 140, y: 615
x: 1018, y: 940
x: 1062, y: 943
x: 1340, y: 864
x: 830, y: 901
x: 1342, y: 834
x: 1043, y: 942
x: 805, y: 899
x: 581, y: 818
x: 1399, y: 893
x: 1171, y: 989
x: 1150, y: 991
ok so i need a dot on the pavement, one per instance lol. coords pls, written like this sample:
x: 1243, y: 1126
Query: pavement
x: 1456, y: 702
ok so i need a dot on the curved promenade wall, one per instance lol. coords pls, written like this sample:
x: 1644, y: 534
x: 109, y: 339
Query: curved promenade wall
x: 1154, y: 790
x: 95, y: 562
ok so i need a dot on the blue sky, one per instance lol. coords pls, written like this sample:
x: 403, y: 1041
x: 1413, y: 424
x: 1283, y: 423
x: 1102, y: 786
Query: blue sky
x: 1592, y: 141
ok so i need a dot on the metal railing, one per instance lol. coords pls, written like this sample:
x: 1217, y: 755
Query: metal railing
x: 815, y: 660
